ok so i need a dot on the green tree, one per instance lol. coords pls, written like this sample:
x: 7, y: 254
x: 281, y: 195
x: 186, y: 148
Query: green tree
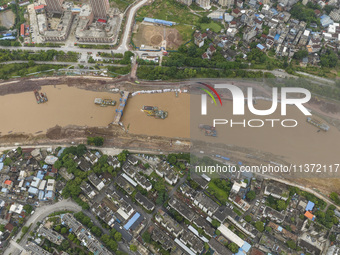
x: 251, y: 195
x: 97, y: 141
x: 291, y: 244
x: 268, y: 229
x: 28, y: 208
x: 247, y: 218
x: 63, y: 231
x: 259, y: 226
x: 215, y: 223
x: 281, y: 205
x: 7, y: 161
x: 25, y: 229
x: 133, y: 247
x: 172, y: 159
x: 65, y: 245
x: 233, y: 247
x: 146, y: 237
x: 301, y: 54
x: 332, y: 237
x: 118, y: 236
x: 334, y: 196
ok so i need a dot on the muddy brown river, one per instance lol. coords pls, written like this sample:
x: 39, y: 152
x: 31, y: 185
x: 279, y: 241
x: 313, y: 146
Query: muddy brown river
x: 73, y: 106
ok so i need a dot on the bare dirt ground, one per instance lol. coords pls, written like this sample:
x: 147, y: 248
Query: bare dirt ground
x: 7, y: 19
x: 153, y: 35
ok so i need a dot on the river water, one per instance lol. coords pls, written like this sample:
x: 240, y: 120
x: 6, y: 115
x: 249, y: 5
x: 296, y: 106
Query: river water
x: 73, y: 106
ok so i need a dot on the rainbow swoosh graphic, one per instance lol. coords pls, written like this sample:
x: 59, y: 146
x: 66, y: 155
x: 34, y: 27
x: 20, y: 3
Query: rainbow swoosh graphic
x: 209, y: 93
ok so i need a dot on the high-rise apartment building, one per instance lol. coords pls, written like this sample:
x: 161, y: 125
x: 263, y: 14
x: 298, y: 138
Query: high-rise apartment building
x: 54, y: 6
x: 203, y: 3
x: 100, y: 8
x: 186, y: 2
x: 227, y: 3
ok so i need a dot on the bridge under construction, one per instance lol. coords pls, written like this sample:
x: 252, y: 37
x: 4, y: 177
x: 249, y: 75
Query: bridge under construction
x: 120, y: 108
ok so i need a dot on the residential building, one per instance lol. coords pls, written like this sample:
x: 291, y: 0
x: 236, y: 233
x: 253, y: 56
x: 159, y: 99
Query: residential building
x: 226, y: 3
x: 276, y: 191
x: 182, y: 208
x: 205, y: 203
x: 203, y: 3
x: 143, y: 182
x: 169, y: 223
x: 100, y: 8
x: 54, y: 6
x: 145, y: 202
x: 186, y: 2
x: 98, y: 183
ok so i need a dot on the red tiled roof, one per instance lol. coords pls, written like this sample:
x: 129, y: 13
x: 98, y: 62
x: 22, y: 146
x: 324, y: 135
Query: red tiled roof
x: 9, y: 227
x: 309, y: 215
x: 22, y: 29
x: 39, y: 7
x: 8, y: 182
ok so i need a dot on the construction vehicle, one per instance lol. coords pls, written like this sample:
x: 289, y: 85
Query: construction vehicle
x: 104, y: 102
x: 40, y: 97
x: 208, y: 130
x: 154, y: 111
x: 318, y: 124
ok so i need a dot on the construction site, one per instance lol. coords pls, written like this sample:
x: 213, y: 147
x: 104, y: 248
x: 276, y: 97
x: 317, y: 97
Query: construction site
x: 147, y: 34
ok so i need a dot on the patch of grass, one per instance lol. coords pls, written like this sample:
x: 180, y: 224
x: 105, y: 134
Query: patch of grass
x: 185, y: 31
x: 216, y: 27
x: 120, y: 4
x: 168, y: 10
x: 220, y: 194
x: 196, y: 7
x: 237, y: 211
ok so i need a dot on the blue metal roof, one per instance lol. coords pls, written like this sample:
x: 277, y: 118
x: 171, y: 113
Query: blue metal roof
x: 246, y: 247
x: 8, y: 38
x: 40, y: 175
x: 49, y: 194
x: 41, y: 195
x: 260, y: 46
x: 159, y: 21
x: 131, y: 221
x: 310, y: 206
x: 279, y: 228
x: 33, y: 190
x: 277, y: 36
x: 61, y: 151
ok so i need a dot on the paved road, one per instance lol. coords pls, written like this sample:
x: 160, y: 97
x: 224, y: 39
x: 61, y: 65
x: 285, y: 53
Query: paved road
x: 62, y: 63
x: 124, y: 46
x: 105, y: 150
x: 39, y: 215
x: 317, y: 77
